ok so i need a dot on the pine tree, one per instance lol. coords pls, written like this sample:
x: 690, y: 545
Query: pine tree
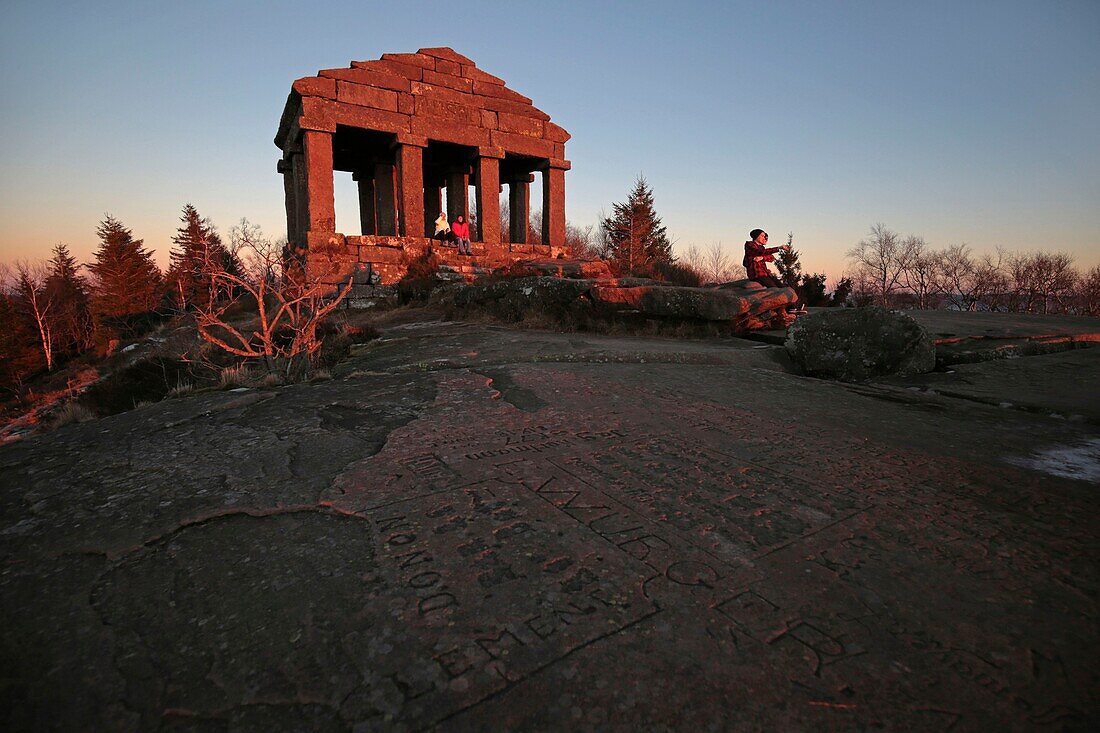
x: 788, y: 265
x: 127, y: 281
x: 68, y: 291
x: 198, y: 250
x: 638, y: 240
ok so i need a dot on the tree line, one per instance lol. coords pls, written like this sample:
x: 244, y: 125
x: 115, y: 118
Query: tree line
x: 60, y: 309
x: 893, y: 270
x: 885, y: 268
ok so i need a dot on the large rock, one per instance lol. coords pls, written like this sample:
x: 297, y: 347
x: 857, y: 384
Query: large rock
x: 853, y: 344
x: 575, y: 269
x: 709, y: 304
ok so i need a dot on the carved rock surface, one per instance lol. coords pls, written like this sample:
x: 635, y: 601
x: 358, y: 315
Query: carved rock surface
x: 852, y: 344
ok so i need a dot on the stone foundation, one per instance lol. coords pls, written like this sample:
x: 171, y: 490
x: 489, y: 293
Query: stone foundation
x: 377, y: 263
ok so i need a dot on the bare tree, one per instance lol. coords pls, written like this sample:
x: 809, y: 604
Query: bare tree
x: 693, y: 258
x: 578, y: 240
x: 880, y: 260
x: 293, y: 293
x: 922, y: 274
x: 973, y: 283
x: 1041, y: 281
x: 1088, y: 293
x: 38, y: 301
x: 716, y: 264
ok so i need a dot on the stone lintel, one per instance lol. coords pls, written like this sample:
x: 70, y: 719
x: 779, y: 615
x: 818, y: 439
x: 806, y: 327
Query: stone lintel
x: 489, y: 151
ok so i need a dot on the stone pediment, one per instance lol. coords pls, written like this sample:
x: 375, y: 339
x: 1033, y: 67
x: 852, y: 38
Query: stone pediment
x: 435, y: 93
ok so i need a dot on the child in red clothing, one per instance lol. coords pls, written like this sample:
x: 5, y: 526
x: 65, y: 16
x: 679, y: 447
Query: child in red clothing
x: 461, y: 229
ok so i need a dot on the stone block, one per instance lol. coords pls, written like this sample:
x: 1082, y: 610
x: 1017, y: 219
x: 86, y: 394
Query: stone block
x: 527, y: 126
x: 498, y: 91
x: 559, y: 153
x: 449, y: 80
x: 446, y: 66
x: 446, y: 94
x: 315, y: 86
x: 558, y: 163
x: 365, y: 96
x: 521, y: 145
x: 413, y: 59
x: 475, y: 74
x: 407, y: 138
x: 507, y: 105
x: 488, y: 119
x: 318, y: 114
x: 381, y: 255
x: 490, y: 152
x: 409, y: 71
x: 451, y: 132
x: 555, y: 133
x: 372, y: 119
x: 449, y: 54
x: 406, y: 104
x: 447, y: 111
x: 373, y: 76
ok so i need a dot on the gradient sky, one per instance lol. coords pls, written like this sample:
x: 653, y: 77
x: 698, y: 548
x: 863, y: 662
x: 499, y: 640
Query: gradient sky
x: 965, y: 121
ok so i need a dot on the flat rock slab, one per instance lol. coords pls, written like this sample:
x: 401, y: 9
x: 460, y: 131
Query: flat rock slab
x: 478, y: 529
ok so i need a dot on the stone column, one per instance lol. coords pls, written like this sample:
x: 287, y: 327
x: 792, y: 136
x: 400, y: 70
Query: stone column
x: 368, y: 219
x: 290, y: 194
x: 410, y: 178
x: 487, y: 196
x: 318, y: 166
x: 553, y: 202
x: 519, y: 207
x: 433, y: 204
x: 458, y: 193
x: 385, y: 205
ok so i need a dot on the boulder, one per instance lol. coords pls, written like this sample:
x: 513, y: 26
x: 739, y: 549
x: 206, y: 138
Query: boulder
x: 853, y: 344
x: 575, y: 269
x: 708, y: 304
x: 741, y: 285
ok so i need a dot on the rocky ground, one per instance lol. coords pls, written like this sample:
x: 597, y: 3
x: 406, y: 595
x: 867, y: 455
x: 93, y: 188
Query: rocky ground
x: 477, y: 528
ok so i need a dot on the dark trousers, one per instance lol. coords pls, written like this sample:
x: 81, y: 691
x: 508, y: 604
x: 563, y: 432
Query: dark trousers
x: 770, y: 281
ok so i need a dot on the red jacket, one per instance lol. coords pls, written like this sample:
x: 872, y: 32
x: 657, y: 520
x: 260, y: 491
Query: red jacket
x: 754, y: 267
x: 461, y: 229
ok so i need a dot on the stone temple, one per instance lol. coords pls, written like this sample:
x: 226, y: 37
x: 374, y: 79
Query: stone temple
x: 408, y: 127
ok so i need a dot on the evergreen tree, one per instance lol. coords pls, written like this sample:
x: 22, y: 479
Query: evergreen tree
x: 813, y: 290
x: 638, y: 241
x: 198, y: 250
x: 842, y: 291
x: 788, y: 265
x: 127, y: 281
x: 68, y: 291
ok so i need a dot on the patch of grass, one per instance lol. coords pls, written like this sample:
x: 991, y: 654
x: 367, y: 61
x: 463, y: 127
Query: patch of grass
x: 234, y: 376
x: 70, y: 412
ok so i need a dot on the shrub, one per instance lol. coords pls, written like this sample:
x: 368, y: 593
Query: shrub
x: 146, y: 380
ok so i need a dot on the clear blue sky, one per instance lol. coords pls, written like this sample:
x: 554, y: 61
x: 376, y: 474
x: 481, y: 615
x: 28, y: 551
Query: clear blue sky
x: 964, y: 121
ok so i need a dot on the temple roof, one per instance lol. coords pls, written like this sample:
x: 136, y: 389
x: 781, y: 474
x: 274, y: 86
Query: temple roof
x: 435, y: 93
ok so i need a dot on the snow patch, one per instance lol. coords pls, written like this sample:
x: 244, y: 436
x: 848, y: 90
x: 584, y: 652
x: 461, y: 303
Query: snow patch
x: 1078, y: 462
